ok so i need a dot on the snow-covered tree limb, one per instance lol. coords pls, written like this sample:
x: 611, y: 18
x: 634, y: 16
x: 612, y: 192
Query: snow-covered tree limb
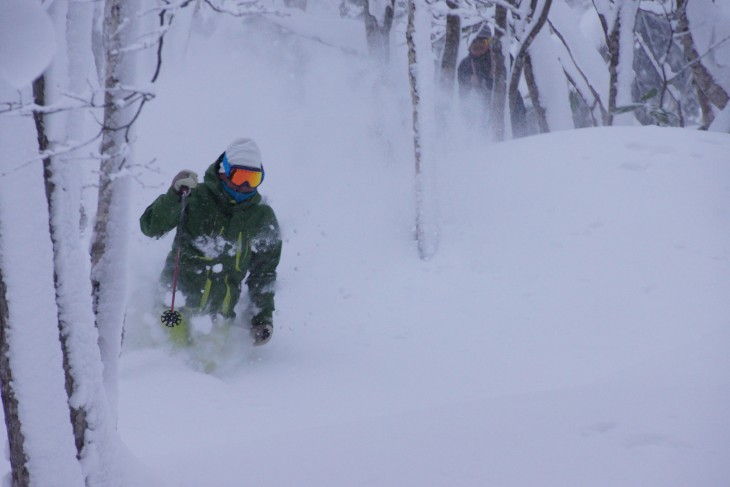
x: 532, y: 29
x: 579, y: 79
x: 242, y: 8
x: 617, y: 19
x: 709, y: 90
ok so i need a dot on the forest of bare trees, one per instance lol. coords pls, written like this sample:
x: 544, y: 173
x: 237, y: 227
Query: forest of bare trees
x: 649, y: 69
x: 652, y: 66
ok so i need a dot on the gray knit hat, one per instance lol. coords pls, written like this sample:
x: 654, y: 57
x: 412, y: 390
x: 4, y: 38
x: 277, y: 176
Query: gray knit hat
x: 242, y: 152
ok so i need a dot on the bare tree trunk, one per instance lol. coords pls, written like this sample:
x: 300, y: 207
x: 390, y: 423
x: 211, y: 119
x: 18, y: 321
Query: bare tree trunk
x: 499, y: 67
x: 520, y: 59
x: 94, y: 435
x: 451, y: 49
x: 708, y: 90
x: 416, y: 101
x: 35, y: 403
x: 419, y: 45
x: 708, y: 115
x: 596, y: 103
x: 78, y: 415
x: 32, y: 381
x: 377, y: 31
x: 447, y: 71
x: 16, y: 440
x: 108, y: 250
x: 613, y: 35
x: 535, y: 96
x: 613, y: 52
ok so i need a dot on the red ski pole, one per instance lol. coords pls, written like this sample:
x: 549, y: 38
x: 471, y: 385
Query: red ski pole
x: 171, y: 317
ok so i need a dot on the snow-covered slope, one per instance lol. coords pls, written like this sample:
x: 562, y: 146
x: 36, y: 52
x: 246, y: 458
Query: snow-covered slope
x: 571, y: 330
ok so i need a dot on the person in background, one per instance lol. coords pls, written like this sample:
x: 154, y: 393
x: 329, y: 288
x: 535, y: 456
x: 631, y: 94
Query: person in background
x: 226, y: 234
x: 476, y: 81
x: 475, y: 71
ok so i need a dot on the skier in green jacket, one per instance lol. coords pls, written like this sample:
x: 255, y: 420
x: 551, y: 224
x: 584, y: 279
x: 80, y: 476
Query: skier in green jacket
x: 226, y: 233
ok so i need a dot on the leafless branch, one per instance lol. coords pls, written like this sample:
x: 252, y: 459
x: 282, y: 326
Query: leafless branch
x: 244, y: 9
x: 699, y: 58
x: 58, y: 151
x: 593, y: 91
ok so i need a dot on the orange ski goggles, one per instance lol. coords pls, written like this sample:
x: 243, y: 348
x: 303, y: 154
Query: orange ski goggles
x: 241, y: 176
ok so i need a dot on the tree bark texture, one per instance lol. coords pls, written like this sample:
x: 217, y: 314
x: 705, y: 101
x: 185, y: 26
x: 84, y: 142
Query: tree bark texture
x: 612, y: 43
x: 450, y: 55
x: 593, y: 102
x: 77, y: 415
x: 108, y: 250
x: 16, y: 440
x: 421, y: 77
x: 521, y: 57
x: 416, y: 102
x: 535, y: 96
x: 499, y: 67
x: 377, y: 34
x: 708, y: 90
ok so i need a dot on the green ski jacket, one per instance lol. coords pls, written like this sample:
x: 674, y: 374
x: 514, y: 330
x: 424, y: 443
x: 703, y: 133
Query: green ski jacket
x: 222, y: 241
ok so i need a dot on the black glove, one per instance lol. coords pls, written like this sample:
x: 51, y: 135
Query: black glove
x: 184, y: 180
x: 261, y: 333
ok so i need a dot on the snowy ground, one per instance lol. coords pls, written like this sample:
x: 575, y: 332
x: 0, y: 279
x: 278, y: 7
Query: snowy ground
x: 572, y: 329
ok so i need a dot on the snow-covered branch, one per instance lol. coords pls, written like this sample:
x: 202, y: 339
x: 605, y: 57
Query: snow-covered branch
x: 243, y: 9
x: 586, y: 82
x: 700, y: 57
x: 59, y: 149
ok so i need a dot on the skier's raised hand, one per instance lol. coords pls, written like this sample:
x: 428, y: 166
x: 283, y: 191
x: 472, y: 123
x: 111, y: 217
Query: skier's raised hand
x: 184, y: 181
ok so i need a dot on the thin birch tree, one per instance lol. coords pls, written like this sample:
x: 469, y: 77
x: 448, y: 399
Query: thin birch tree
x: 450, y: 56
x: 13, y: 423
x: 378, y: 16
x: 618, y: 20
x: 420, y: 59
x: 122, y: 103
x: 500, y: 67
x: 94, y: 431
x: 35, y: 402
x: 535, y: 18
x: 709, y: 91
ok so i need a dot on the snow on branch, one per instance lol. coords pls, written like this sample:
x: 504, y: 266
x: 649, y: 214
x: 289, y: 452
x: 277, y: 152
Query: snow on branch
x: 242, y: 8
x: 699, y: 57
x: 607, y: 15
x: 59, y: 150
x: 166, y: 7
x: 145, y: 41
x: 586, y: 82
x: 71, y: 102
